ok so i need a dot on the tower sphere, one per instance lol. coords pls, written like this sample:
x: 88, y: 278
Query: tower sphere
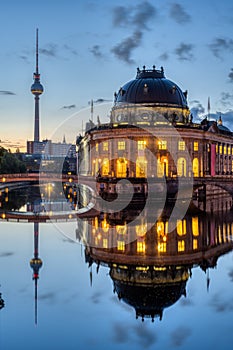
x: 37, y: 88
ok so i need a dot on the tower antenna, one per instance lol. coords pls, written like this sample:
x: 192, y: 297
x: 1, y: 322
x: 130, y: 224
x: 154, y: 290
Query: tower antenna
x: 37, y: 89
x: 37, y: 51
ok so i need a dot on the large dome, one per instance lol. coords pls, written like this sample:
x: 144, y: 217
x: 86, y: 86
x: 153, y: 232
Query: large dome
x: 151, y: 86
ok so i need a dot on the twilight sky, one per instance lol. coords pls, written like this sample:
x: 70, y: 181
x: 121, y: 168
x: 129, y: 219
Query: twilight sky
x: 88, y: 49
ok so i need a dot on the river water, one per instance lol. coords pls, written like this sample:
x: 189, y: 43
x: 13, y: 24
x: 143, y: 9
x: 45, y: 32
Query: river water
x: 114, y: 281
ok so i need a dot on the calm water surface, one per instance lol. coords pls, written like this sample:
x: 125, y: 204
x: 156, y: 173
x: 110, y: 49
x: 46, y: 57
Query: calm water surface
x: 89, y: 292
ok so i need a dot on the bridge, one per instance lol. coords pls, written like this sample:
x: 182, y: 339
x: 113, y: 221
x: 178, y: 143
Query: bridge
x: 36, y: 177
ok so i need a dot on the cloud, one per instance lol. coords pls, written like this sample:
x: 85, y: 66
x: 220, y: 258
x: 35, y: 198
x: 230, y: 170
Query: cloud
x: 230, y: 274
x: 221, y: 305
x: 179, y: 336
x: 164, y: 56
x: 226, y: 99
x: 134, y: 16
x: 184, y: 52
x: 68, y: 107
x: 143, y: 14
x: 124, y: 49
x: 70, y: 49
x: 95, y: 50
x: 50, y: 296
x: 120, y: 16
x: 197, y: 109
x: 50, y: 50
x: 120, y: 333
x: 146, y: 337
x: 95, y: 298
x: 6, y: 92
x: 178, y: 14
x: 99, y: 100
x: 220, y: 45
x: 230, y: 75
x: 5, y: 254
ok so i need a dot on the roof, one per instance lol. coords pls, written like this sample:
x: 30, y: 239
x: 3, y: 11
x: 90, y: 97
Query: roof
x: 151, y: 86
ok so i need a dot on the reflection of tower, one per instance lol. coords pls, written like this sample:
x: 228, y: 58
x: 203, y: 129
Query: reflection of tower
x: 36, y: 263
x: 37, y: 89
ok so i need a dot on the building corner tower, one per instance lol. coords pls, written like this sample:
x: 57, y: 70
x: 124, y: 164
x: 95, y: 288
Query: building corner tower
x: 37, y: 89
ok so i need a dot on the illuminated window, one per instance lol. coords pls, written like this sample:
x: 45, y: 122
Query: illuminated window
x: 217, y: 148
x: 162, y: 166
x: 195, y: 228
x: 232, y: 151
x: 162, y: 247
x: 181, y: 146
x: 105, y: 167
x: 181, y: 227
x: 121, y: 145
x: 181, y: 167
x: 162, y: 144
x: 232, y: 165
x: 220, y: 149
x: 181, y: 246
x: 229, y: 150
x: 195, y: 244
x: 162, y: 227
x: 105, y: 146
x: 120, y: 245
x: 121, y: 167
x: 141, y: 166
x: 105, y: 243
x: 141, y: 145
x: 225, y: 149
x: 195, y: 146
x: 141, y: 247
x: 97, y: 147
x: 195, y: 167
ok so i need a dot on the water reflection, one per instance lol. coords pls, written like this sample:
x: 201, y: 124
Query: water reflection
x: 150, y: 268
x: 149, y: 264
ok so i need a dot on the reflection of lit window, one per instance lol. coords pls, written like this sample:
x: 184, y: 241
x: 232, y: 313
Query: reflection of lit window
x: 121, y: 145
x: 181, y: 227
x: 121, y: 245
x: 162, y: 227
x: 141, y: 247
x: 195, y: 228
x: 162, y: 144
x: 105, y: 146
x: 105, y: 225
x: 97, y: 147
x: 195, y: 146
x: 181, y: 146
x: 121, y: 229
x: 105, y: 243
x: 195, y: 244
x: 181, y: 246
x: 162, y: 247
x: 141, y: 145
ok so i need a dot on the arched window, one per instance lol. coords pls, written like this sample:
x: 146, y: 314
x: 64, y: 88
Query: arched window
x: 195, y: 167
x: 162, y: 167
x: 121, y: 167
x: 141, y: 166
x: 181, y: 167
x: 105, y: 167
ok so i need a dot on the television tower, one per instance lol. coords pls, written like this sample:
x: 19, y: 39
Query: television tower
x: 37, y: 89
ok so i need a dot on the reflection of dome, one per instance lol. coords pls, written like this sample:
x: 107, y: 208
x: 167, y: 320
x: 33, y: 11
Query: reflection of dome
x: 151, y: 86
x: 2, y: 304
x: 149, y: 293
x: 150, y: 300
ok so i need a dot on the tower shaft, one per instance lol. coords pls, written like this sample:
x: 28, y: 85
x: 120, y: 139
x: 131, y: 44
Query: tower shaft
x: 37, y: 120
